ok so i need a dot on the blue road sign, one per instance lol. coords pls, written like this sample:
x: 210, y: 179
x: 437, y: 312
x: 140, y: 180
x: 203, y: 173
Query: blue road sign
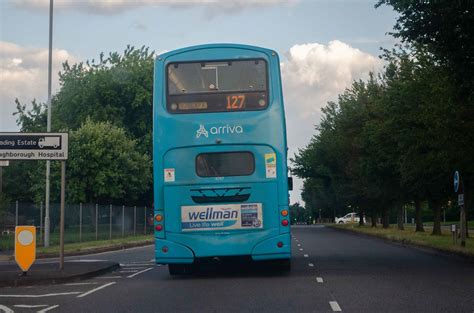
x: 456, y: 181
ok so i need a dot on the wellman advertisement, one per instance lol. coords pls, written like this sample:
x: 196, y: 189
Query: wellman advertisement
x: 221, y: 217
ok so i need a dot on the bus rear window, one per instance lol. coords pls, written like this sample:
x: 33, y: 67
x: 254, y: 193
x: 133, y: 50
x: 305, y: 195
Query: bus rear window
x: 221, y: 164
x: 224, y: 86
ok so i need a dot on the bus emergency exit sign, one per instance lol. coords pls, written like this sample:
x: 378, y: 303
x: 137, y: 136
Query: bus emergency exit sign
x: 33, y: 146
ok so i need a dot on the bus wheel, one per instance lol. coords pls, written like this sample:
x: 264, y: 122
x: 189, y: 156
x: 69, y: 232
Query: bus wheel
x: 180, y: 269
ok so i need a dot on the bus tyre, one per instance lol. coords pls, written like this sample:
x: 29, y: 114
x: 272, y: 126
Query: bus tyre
x: 180, y: 269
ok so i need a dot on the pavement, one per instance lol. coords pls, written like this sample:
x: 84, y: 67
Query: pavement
x: 49, y: 273
x: 332, y: 271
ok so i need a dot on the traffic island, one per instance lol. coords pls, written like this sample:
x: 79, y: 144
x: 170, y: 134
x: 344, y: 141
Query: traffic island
x: 49, y: 273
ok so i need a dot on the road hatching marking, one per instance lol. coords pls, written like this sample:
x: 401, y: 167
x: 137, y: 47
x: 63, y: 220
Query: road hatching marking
x: 41, y: 296
x: 335, y: 306
x: 95, y: 289
x: 49, y: 308
x: 138, y: 273
x: 5, y: 309
x: 28, y: 306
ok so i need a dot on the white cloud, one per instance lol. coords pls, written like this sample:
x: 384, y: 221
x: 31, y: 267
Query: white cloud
x: 24, y: 75
x: 119, y: 6
x: 314, y: 74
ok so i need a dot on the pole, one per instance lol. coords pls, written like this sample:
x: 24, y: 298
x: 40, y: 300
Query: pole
x: 463, y: 226
x: 110, y: 223
x: 80, y: 222
x: 123, y: 220
x: 41, y: 221
x: 145, y: 223
x: 96, y: 221
x: 61, y: 235
x: 16, y: 213
x: 48, y: 124
x: 406, y: 217
x: 134, y: 220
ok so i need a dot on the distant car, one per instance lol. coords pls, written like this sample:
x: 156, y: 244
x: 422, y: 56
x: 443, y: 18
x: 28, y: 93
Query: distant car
x: 352, y: 217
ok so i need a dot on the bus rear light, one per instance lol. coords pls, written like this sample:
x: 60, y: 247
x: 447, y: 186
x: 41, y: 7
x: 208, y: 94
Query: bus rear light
x: 284, y: 222
x: 279, y: 244
x: 159, y: 227
x: 159, y: 217
x: 164, y: 249
x: 284, y: 212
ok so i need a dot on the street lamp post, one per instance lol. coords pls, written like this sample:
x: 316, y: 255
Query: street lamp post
x: 48, y: 124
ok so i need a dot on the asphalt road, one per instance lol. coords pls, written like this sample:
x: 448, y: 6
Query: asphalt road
x: 331, y: 271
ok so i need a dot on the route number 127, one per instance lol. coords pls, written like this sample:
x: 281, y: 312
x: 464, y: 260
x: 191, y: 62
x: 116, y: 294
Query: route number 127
x: 235, y: 102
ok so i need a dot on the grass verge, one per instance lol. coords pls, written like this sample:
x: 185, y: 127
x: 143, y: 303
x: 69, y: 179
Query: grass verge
x: 90, y: 246
x: 408, y: 236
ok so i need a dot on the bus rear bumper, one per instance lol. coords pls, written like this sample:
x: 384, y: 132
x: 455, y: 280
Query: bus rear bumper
x: 169, y: 252
x: 269, y: 249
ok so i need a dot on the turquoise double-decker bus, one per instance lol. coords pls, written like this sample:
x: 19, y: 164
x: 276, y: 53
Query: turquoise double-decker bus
x: 220, y: 157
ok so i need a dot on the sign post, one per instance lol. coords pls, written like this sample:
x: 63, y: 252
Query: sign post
x: 40, y: 146
x: 25, y: 247
x: 459, y: 189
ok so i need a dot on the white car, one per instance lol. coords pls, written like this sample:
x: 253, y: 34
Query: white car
x: 352, y: 217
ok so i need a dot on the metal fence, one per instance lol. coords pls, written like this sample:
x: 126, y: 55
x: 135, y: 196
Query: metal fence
x: 83, y: 222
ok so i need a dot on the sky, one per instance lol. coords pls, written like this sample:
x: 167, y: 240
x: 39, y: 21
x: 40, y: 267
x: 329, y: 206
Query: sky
x: 324, y: 45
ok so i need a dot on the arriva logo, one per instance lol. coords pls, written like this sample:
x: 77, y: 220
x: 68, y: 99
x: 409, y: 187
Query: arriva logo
x: 219, y: 130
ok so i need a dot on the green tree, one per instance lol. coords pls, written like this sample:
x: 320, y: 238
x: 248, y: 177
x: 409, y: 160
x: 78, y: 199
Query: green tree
x: 105, y: 165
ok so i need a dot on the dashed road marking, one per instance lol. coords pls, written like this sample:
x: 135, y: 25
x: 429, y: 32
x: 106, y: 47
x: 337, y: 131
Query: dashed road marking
x: 306, y: 256
x: 41, y: 296
x: 310, y: 264
x: 335, y: 306
x: 299, y: 245
x: 319, y: 280
x: 49, y: 308
x: 5, y: 309
x: 301, y: 249
x: 80, y: 284
x: 95, y: 289
x: 138, y: 273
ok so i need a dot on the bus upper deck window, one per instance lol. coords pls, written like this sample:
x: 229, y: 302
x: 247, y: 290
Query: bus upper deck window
x: 217, y: 86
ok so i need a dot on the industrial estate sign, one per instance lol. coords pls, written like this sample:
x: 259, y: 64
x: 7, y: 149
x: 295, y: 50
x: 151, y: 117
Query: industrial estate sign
x: 33, y: 146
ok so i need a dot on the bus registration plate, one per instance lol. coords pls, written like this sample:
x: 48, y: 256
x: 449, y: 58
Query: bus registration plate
x: 221, y: 217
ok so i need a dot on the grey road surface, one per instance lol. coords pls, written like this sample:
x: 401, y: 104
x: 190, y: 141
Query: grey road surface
x: 331, y: 271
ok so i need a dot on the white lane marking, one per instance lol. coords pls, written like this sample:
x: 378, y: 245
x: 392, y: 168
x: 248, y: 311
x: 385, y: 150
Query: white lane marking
x: 138, y: 273
x: 41, y: 296
x: 319, y: 280
x: 95, y: 289
x: 80, y: 284
x: 299, y: 245
x: 306, y: 256
x: 152, y: 260
x: 335, y: 306
x: 129, y: 268
x: 138, y: 262
x: 135, y: 264
x: 310, y: 264
x: 5, y: 309
x: 109, y: 277
x: 30, y: 306
x: 301, y: 249
x: 49, y: 308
